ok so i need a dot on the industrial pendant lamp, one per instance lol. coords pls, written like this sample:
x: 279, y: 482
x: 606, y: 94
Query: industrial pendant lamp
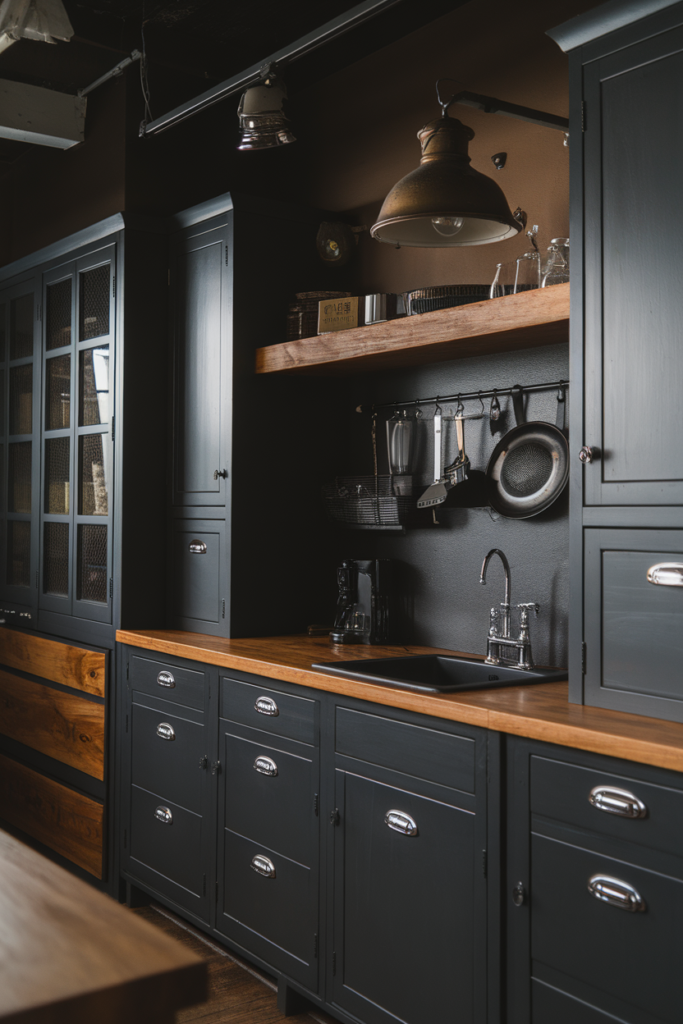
x: 263, y: 123
x: 445, y: 202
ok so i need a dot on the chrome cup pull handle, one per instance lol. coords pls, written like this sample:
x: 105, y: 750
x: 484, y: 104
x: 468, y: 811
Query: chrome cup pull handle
x: 164, y: 815
x: 265, y: 765
x: 266, y: 706
x: 165, y: 731
x: 666, y: 574
x: 263, y: 866
x: 166, y: 679
x: 401, y: 822
x: 616, y: 892
x: 197, y: 547
x: 613, y: 800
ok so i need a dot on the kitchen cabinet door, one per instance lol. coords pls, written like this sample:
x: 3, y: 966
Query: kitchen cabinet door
x: 201, y: 275
x: 633, y: 94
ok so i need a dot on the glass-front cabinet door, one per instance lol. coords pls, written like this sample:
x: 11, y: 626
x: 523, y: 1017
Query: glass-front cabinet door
x: 19, y: 440
x: 76, y: 550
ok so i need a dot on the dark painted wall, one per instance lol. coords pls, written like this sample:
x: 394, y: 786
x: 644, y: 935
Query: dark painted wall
x: 442, y: 601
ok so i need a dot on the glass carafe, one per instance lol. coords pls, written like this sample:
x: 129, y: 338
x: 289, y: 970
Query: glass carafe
x: 556, y: 270
x: 400, y: 451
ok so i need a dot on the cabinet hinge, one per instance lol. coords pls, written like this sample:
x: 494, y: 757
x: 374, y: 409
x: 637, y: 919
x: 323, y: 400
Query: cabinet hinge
x: 315, y: 946
x: 583, y: 657
x: 37, y: 579
x: 334, y: 816
x: 39, y: 312
x: 127, y: 671
x: 334, y: 964
x: 583, y: 115
x: 204, y: 885
x: 226, y: 255
x: 113, y: 428
x: 316, y: 802
x: 125, y: 839
x: 216, y: 894
x: 223, y: 609
x: 113, y: 286
x: 111, y: 586
x: 484, y: 862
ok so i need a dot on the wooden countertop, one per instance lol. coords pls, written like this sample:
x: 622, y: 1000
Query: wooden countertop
x: 70, y: 953
x: 539, y: 712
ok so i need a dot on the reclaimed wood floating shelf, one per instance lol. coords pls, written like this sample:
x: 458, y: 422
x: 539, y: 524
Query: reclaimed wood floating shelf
x: 539, y: 317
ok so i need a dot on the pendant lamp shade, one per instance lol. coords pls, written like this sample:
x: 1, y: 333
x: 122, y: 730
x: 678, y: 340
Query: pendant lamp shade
x: 444, y: 202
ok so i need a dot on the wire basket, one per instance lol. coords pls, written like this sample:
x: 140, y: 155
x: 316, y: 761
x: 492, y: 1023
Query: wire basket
x: 368, y: 502
x: 425, y: 300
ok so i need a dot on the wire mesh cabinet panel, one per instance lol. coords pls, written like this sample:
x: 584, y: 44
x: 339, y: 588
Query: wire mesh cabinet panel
x: 77, y: 477
x: 19, y: 440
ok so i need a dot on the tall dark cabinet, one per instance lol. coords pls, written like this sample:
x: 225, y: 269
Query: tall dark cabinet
x: 83, y: 373
x: 626, y: 91
x: 246, y: 462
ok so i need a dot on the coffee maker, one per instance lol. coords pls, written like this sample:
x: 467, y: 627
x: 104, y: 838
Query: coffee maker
x: 362, y: 615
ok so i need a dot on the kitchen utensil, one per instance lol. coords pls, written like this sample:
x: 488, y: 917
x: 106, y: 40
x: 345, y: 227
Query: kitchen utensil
x: 529, y: 466
x: 424, y: 300
x: 400, y: 451
x: 456, y: 473
x: 494, y: 411
x: 436, y: 492
x: 362, y: 615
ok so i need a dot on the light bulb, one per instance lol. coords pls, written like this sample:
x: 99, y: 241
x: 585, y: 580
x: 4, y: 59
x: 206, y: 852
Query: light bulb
x: 448, y: 226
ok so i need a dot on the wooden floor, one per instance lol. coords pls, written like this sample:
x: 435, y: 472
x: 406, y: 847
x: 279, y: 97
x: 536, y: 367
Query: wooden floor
x: 238, y: 992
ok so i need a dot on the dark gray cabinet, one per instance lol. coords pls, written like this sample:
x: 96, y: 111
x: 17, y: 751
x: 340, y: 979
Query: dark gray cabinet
x: 626, y: 64
x: 341, y: 846
x: 409, y: 928
x: 594, y: 888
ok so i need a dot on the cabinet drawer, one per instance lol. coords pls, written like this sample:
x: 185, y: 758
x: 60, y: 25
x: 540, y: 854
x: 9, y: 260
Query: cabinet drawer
x: 270, y: 796
x: 629, y: 955
x: 269, y: 710
x: 562, y: 791
x: 166, y: 754
x: 170, y: 846
x: 167, y: 680
x: 60, y: 663
x: 198, y: 588
x: 65, y: 820
x: 275, y: 917
x: 427, y: 754
x: 62, y: 725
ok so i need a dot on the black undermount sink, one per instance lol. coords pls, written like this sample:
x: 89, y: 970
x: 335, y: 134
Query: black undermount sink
x: 438, y: 673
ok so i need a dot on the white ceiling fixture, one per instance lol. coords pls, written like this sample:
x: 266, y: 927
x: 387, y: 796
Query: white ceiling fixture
x: 42, y: 116
x: 45, y: 21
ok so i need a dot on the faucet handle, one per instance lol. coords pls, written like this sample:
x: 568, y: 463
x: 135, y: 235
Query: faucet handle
x: 494, y: 622
x: 524, y: 608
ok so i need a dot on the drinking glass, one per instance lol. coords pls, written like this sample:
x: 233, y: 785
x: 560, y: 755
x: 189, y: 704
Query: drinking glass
x: 528, y: 275
x: 504, y: 280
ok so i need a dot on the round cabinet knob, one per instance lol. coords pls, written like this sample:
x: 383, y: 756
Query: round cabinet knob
x: 587, y: 454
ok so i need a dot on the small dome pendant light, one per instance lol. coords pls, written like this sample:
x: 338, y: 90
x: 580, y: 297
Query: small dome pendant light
x: 444, y: 201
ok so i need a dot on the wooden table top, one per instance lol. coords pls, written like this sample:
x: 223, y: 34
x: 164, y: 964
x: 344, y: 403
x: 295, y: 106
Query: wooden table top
x: 70, y: 953
x: 540, y: 711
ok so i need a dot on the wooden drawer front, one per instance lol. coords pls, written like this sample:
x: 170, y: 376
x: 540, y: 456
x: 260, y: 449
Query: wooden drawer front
x: 269, y: 710
x: 168, y: 681
x: 277, y: 809
x: 60, y: 663
x: 561, y: 791
x: 61, y: 725
x: 66, y: 821
x: 411, y: 749
x: 172, y: 847
x: 629, y: 955
x: 166, y: 754
x: 274, y: 917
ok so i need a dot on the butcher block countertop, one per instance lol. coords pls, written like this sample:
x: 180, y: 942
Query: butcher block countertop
x: 70, y: 953
x: 540, y: 711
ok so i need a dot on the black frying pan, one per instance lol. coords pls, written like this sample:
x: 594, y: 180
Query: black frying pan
x: 529, y: 466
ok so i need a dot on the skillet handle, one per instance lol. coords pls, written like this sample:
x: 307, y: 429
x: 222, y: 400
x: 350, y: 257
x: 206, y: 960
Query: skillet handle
x: 517, y: 393
x: 561, y: 419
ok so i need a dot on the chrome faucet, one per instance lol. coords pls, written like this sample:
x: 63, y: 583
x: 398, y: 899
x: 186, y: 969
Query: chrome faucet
x: 501, y: 648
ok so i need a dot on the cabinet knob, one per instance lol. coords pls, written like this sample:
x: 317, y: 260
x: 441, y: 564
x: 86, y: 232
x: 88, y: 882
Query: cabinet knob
x: 165, y: 731
x: 164, y: 815
x: 401, y: 822
x: 166, y: 679
x: 587, y: 454
x: 613, y: 800
x: 263, y: 866
x: 265, y: 765
x: 220, y: 473
x: 518, y: 894
x: 666, y: 574
x: 197, y: 547
x: 266, y: 706
x: 616, y: 892
x: 204, y: 762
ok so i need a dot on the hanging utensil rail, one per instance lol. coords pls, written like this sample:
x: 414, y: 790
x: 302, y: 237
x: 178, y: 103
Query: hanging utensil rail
x: 462, y: 395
